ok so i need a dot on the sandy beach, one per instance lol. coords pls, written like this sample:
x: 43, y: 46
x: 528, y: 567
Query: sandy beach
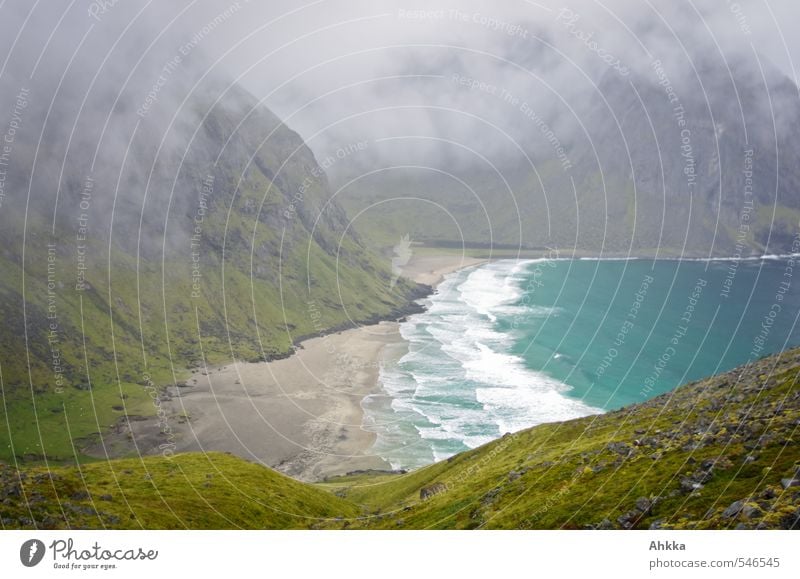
x: 301, y: 415
x: 431, y: 269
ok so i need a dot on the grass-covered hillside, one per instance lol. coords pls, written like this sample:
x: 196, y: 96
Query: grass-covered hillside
x: 213, y: 240
x: 719, y: 453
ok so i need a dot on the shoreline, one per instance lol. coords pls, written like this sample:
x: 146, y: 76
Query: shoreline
x: 300, y: 414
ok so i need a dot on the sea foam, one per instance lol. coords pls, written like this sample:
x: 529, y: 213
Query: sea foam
x: 459, y: 385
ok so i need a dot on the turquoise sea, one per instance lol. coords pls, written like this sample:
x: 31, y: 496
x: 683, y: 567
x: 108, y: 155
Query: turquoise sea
x: 512, y: 344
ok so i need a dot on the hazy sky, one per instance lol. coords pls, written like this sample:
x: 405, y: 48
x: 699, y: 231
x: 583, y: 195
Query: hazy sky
x: 341, y: 71
x: 348, y: 71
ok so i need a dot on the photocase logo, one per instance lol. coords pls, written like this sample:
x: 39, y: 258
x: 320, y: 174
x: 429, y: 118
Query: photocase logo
x: 31, y: 553
x: 402, y: 255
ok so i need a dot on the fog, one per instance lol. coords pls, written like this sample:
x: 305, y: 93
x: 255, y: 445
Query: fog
x: 439, y: 84
x: 387, y: 72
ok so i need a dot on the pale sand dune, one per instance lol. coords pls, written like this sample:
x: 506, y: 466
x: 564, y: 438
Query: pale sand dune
x: 301, y: 415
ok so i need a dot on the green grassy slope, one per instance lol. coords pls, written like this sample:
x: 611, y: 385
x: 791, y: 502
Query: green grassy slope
x: 191, y: 491
x: 713, y: 454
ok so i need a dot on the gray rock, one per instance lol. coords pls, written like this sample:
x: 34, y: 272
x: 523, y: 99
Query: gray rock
x: 733, y: 510
x: 790, y: 482
x: 644, y: 504
x: 703, y: 476
x: 689, y: 485
x: 751, y: 512
x: 791, y: 521
x: 605, y: 525
x: 629, y: 519
x: 619, y: 447
x: 432, y: 490
x: 490, y: 497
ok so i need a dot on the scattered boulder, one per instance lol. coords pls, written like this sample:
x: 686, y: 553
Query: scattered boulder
x: 644, y: 505
x: 791, y: 521
x: 689, y: 485
x: 432, y: 490
x: 605, y: 525
x: 619, y: 448
x: 490, y: 497
x: 733, y: 510
x: 629, y: 519
x: 751, y: 511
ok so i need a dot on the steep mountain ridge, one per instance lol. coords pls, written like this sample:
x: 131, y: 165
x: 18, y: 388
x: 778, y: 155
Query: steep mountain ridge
x: 210, y: 238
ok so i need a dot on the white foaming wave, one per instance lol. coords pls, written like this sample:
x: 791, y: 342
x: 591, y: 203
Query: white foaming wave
x: 489, y: 290
x: 442, y: 307
x: 396, y: 383
x: 403, y: 405
x: 431, y: 388
x: 514, y: 409
x: 444, y: 333
x: 516, y: 397
x: 765, y: 257
x: 491, y: 367
x: 459, y: 427
x: 631, y: 258
x: 486, y: 334
x: 411, y: 356
x: 457, y: 385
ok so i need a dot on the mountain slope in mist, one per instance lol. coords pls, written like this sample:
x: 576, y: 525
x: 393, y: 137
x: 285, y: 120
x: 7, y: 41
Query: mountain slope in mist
x: 694, y: 162
x: 209, y: 241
